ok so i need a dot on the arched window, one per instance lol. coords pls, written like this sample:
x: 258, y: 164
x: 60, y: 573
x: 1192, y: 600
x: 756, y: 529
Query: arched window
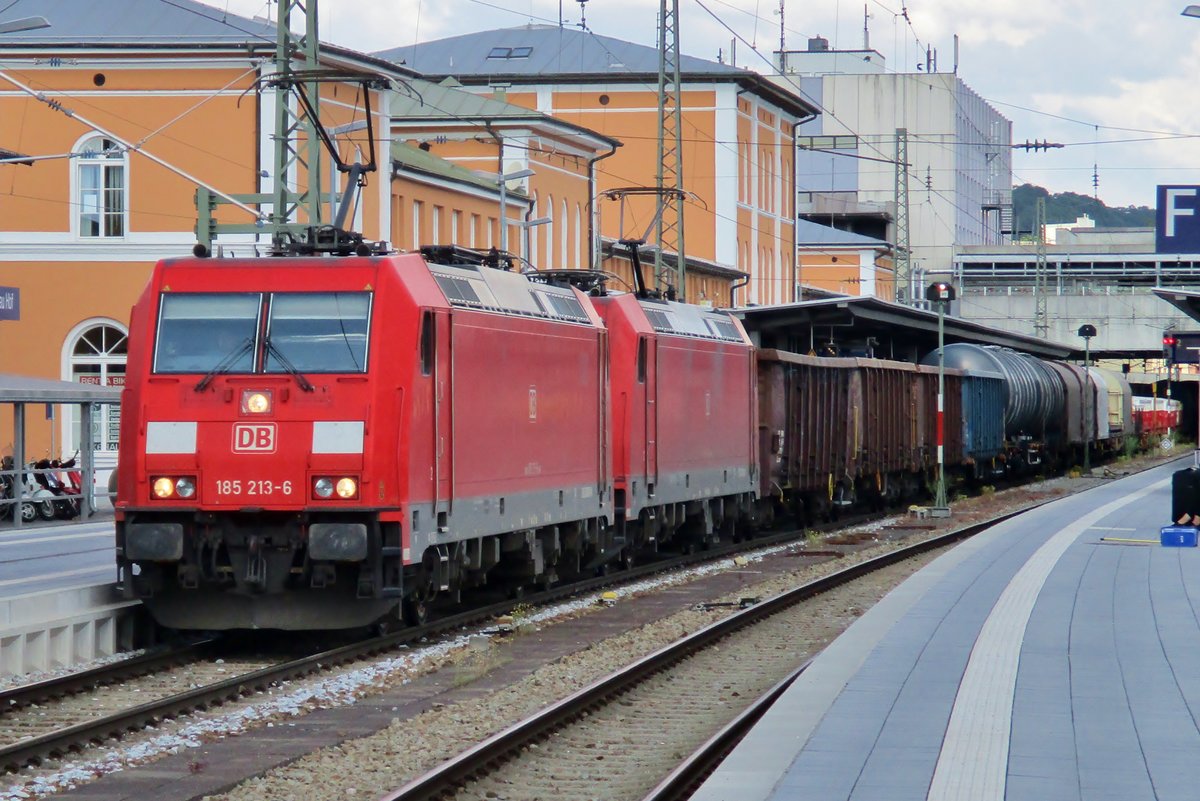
x: 97, y: 353
x: 100, y: 188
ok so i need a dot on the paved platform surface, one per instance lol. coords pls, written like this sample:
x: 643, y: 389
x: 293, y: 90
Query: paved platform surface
x: 1040, y: 661
x: 50, y: 556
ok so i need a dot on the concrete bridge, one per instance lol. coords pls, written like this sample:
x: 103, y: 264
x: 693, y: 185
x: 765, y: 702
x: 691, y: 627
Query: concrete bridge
x: 1128, y: 322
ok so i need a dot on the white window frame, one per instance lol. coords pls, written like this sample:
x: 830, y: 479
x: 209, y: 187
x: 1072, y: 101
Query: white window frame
x: 78, y: 203
x: 111, y: 364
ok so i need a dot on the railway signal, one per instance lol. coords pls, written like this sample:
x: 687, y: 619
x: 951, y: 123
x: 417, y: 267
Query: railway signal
x: 1170, y: 345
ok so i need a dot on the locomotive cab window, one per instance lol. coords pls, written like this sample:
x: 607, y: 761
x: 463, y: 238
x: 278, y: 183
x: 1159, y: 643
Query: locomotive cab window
x: 200, y: 332
x: 427, y: 343
x: 322, y: 332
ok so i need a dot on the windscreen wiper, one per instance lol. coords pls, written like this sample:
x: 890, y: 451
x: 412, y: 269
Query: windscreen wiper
x: 225, y: 364
x: 304, y: 383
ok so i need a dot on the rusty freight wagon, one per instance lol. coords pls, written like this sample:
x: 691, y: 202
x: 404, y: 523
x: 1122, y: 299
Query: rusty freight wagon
x: 840, y: 431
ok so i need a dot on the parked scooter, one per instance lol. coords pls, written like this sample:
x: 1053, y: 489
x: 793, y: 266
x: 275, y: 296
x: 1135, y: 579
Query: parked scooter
x: 8, y: 490
x: 64, y: 501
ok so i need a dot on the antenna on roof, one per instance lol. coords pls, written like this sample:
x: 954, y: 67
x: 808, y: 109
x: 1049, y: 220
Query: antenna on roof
x: 582, y: 13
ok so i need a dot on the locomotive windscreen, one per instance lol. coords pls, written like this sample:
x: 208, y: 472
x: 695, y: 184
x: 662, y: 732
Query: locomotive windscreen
x: 318, y: 332
x: 309, y: 332
x: 197, y: 332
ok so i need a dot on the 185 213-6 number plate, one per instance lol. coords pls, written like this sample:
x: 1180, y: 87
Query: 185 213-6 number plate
x: 253, y: 486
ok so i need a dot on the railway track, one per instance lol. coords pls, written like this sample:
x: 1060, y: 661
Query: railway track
x: 673, y: 714
x: 59, y: 742
x: 53, y: 742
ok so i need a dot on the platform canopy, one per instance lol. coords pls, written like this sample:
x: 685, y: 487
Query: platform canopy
x: 1186, y: 300
x: 863, y: 325
x: 26, y: 389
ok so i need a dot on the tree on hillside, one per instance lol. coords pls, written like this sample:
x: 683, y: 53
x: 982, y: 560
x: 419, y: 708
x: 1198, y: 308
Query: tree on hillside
x: 1067, y: 207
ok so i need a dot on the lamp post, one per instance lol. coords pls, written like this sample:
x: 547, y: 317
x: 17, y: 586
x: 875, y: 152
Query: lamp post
x: 941, y: 293
x: 527, y: 227
x: 504, y: 179
x: 1087, y: 331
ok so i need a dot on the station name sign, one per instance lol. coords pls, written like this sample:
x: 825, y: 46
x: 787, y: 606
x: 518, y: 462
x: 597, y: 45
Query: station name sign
x: 1177, y: 220
x: 10, y: 303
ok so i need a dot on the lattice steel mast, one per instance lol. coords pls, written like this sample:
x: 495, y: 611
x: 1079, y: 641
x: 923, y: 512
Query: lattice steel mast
x: 300, y: 140
x: 670, y: 146
x: 1041, y: 322
x: 904, y: 289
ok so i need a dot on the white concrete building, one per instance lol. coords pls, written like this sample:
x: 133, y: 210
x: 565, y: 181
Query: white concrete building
x: 959, y: 154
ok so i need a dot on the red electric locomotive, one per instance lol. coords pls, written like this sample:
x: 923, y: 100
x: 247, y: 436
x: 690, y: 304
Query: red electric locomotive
x: 307, y: 443
x: 685, y: 422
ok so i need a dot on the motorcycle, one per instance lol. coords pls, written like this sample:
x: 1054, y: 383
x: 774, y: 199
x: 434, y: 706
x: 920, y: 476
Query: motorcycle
x: 65, y: 489
x: 8, y: 491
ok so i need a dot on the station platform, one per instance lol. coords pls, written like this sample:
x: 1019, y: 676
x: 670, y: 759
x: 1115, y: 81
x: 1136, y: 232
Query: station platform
x: 58, y: 602
x: 1042, y: 659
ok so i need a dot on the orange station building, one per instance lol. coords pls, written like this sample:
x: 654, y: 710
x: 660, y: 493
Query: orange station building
x: 119, y: 116
x: 738, y: 132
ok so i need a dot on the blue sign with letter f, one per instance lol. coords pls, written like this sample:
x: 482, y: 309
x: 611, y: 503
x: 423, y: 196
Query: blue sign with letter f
x: 1177, y: 220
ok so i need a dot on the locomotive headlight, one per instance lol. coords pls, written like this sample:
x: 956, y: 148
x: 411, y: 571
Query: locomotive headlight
x: 347, y: 488
x: 164, y: 487
x: 256, y: 401
x: 323, y: 488
x: 185, y: 487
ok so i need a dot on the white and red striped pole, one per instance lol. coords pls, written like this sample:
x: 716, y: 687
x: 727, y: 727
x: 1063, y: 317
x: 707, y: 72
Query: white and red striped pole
x: 941, y: 293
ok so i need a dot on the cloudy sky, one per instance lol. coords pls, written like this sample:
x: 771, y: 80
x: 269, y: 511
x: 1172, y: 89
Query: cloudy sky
x: 1117, y: 82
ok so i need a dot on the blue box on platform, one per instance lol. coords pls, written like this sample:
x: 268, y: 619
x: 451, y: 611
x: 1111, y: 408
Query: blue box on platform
x: 1179, y: 536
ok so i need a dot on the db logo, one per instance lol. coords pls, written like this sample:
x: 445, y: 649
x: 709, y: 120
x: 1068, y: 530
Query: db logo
x: 254, y: 438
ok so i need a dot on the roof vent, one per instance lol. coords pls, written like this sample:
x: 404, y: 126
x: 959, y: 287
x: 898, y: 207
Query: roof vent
x: 818, y: 44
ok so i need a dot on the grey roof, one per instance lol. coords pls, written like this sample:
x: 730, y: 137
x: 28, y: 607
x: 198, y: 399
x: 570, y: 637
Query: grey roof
x: 553, y: 54
x: 868, y: 315
x: 425, y: 100
x: 419, y: 100
x: 149, y: 23
x: 125, y: 22
x: 552, y: 50
x: 405, y: 157
x: 811, y: 233
x: 26, y: 389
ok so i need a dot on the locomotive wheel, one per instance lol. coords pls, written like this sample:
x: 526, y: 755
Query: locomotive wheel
x: 415, y: 611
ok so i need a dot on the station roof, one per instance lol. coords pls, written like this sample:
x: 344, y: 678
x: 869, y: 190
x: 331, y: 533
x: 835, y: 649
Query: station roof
x: 1186, y: 300
x: 26, y: 389
x: 868, y: 326
x: 811, y: 233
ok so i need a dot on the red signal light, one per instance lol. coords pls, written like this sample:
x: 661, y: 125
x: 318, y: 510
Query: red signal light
x: 1169, y: 340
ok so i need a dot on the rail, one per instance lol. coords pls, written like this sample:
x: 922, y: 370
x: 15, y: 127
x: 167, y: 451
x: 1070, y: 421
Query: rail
x: 449, y: 775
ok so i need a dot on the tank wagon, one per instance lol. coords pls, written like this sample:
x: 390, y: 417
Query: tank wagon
x: 1051, y: 408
